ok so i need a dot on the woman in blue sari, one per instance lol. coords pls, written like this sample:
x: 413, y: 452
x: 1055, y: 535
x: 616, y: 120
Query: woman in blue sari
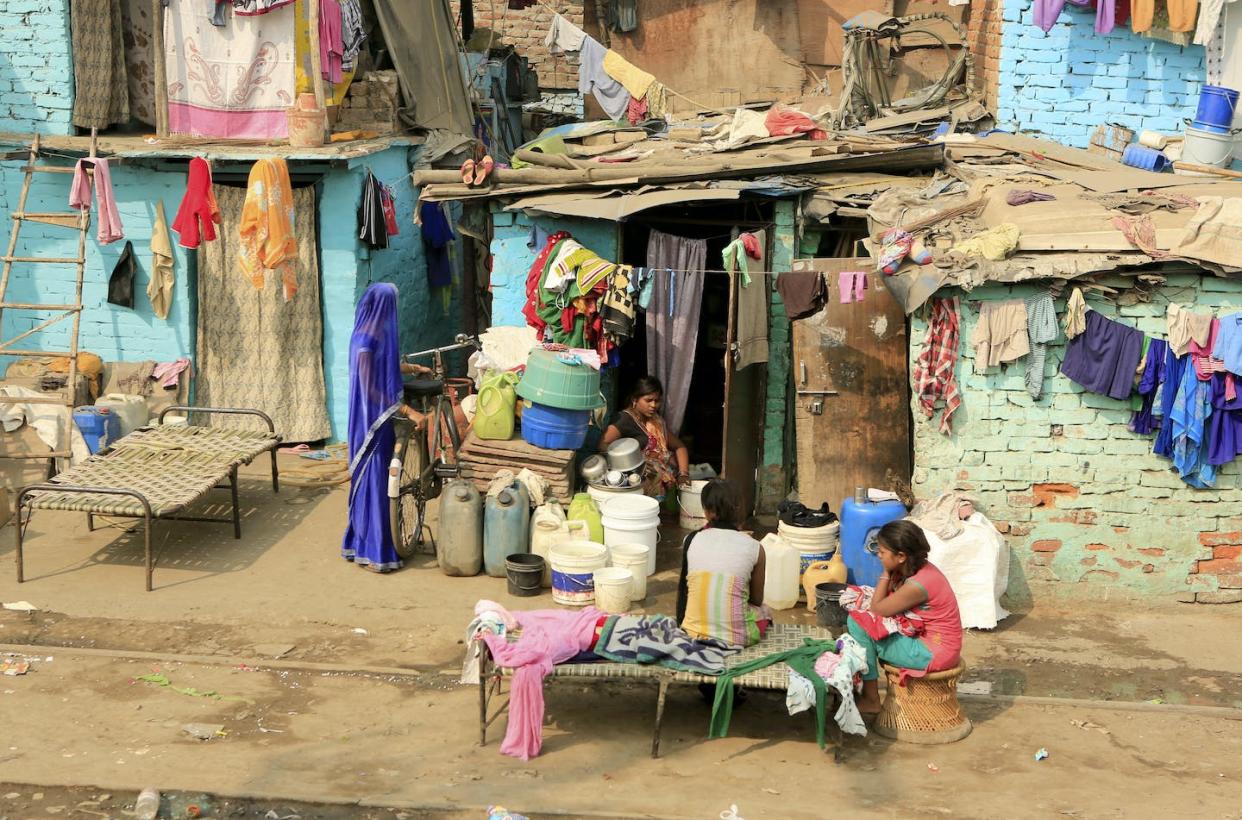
x: 375, y: 370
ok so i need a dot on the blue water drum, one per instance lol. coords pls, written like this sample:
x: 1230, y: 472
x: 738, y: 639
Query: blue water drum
x: 1216, y: 107
x: 506, y: 528
x: 859, y: 525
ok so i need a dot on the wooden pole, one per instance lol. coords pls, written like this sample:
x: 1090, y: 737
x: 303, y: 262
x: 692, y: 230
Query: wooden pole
x: 1207, y: 169
x: 159, y: 68
x: 317, y: 66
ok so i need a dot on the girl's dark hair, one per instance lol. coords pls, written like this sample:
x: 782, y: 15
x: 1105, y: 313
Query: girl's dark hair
x: 722, y: 501
x: 905, y: 537
x: 645, y: 386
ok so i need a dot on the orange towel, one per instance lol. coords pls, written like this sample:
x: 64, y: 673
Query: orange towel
x: 267, y: 241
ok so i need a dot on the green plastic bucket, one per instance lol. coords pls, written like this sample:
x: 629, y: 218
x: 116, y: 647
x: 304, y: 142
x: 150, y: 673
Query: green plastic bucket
x: 553, y: 383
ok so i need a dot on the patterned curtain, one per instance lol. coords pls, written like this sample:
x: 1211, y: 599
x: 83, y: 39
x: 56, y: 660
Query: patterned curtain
x: 254, y: 349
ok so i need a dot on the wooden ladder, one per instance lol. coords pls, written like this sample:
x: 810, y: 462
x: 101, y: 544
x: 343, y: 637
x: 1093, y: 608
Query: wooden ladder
x: 66, y: 219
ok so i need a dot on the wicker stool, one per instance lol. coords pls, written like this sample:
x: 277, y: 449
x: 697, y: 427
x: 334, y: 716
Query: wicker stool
x: 925, y: 710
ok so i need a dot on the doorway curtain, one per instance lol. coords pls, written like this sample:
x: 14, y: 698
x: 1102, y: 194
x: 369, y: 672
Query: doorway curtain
x: 254, y: 349
x: 673, y: 317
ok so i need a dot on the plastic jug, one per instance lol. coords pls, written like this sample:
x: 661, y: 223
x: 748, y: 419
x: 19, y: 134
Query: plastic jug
x: 506, y: 527
x: 132, y: 410
x: 461, y: 529
x: 99, y: 426
x: 546, y: 532
x: 584, y: 508
x: 780, y: 579
x: 493, y: 418
x: 860, y: 521
x: 832, y: 571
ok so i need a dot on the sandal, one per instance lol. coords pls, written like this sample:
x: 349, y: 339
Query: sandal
x: 467, y: 172
x: 483, y: 169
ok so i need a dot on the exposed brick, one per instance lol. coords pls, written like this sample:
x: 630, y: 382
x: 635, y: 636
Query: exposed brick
x: 1231, y: 596
x: 1089, y: 561
x: 1020, y: 529
x: 1219, y: 566
x: 1232, y: 552
x: 1218, y: 539
x: 1152, y: 552
x: 1047, y: 545
x: 1097, y: 547
x: 1126, y: 563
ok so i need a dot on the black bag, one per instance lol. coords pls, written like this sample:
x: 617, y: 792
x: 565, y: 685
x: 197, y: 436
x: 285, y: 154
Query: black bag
x: 121, y: 283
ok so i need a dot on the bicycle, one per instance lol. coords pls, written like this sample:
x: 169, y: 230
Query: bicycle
x: 425, y: 460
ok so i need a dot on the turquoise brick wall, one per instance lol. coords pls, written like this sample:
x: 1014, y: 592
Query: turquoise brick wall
x: 1064, y: 83
x: 774, y: 471
x: 36, y: 69
x: 1088, y: 509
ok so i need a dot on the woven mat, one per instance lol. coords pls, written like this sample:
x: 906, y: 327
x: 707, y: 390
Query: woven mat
x: 779, y: 638
x: 233, y: 446
x: 171, y: 480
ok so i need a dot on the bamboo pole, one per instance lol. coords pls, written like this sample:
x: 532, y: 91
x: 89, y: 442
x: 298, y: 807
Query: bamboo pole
x: 160, y: 69
x: 1207, y: 169
x: 321, y: 100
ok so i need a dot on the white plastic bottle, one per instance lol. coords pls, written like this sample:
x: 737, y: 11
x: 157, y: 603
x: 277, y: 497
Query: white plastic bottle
x: 147, y: 806
x: 780, y: 579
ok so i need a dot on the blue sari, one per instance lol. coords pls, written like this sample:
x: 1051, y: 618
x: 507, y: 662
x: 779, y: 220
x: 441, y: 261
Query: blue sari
x: 374, y: 396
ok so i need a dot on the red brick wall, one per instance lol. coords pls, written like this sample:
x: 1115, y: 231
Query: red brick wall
x: 983, y: 35
x: 525, y: 29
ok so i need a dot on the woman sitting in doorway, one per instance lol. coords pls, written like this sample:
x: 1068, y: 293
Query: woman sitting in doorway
x: 909, y: 583
x: 667, y: 459
x: 720, y: 594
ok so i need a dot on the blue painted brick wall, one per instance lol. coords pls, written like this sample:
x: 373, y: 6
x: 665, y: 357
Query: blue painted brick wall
x: 1064, y: 83
x: 36, y: 68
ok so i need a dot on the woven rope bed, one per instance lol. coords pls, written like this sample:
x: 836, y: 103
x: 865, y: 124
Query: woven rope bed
x: 779, y: 638
x: 153, y: 473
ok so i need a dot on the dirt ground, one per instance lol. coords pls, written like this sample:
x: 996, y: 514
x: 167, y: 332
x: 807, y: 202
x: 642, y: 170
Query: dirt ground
x: 361, y: 715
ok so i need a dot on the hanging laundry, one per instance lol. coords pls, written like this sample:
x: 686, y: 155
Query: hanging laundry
x: 244, y: 8
x: 160, y: 286
x: 1228, y: 347
x: 623, y: 15
x: 1206, y: 28
x: 609, y: 93
x: 1188, y: 419
x: 331, y: 41
x: 198, y: 214
x: 657, y: 101
x: 533, y: 306
x: 372, y: 227
x: 1000, y: 334
x: 1182, y: 14
x: 305, y: 60
x: 1041, y: 328
x: 267, y: 246
x: 1045, y: 13
x: 560, y: 271
x: 635, y: 80
x: 642, y: 286
x: 110, y: 227
x: 353, y: 34
x: 563, y: 36
x: 1206, y: 365
x: 1145, y: 421
x: 617, y: 308
x: 1224, y: 429
x: 934, y: 376
x: 168, y: 374
x: 1105, y: 16
x: 1104, y: 357
x: 100, y: 78
x: 851, y: 286
x: 1185, y: 327
x: 673, y: 339
x: 1142, y: 14
x: 437, y: 236
x: 121, y: 282
x: 804, y: 293
x: 752, y: 298
x: 1174, y: 369
x: 637, y: 111
x: 1075, y: 314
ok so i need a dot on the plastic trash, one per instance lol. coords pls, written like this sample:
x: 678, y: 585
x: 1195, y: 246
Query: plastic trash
x: 1042, y: 754
x: 147, y: 806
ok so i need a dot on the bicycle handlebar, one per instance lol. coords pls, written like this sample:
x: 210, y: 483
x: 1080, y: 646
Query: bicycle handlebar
x: 462, y: 342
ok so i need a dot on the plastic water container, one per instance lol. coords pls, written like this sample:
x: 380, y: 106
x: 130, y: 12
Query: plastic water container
x: 585, y: 508
x: 132, y: 410
x: 780, y: 578
x: 1216, y: 107
x: 814, y: 544
x: 632, y: 557
x: 506, y: 528
x: 1149, y: 159
x: 690, y: 505
x: 554, y: 429
x: 633, y: 519
x: 548, y: 527
x: 460, y: 545
x: 99, y: 425
x: 613, y: 586
x: 573, y: 571
x: 1207, y: 148
x: 859, y: 524
x: 494, y: 410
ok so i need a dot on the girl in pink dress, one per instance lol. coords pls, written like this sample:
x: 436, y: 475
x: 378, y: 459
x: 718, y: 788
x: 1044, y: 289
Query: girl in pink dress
x: 909, y: 584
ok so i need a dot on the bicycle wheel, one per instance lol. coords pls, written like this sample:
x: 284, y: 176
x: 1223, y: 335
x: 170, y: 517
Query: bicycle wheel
x: 408, y: 509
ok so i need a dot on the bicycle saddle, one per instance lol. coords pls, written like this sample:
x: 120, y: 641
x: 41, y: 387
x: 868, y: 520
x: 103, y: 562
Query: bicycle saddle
x: 422, y: 388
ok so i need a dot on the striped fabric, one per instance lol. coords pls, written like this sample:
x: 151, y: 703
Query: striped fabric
x: 933, y: 370
x: 1041, y: 327
x: 717, y: 608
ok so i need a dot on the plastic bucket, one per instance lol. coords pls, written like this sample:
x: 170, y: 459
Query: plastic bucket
x: 1216, y: 107
x: 633, y: 519
x: 828, y: 610
x: 602, y: 493
x: 573, y: 571
x: 524, y: 573
x: 690, y: 504
x: 554, y: 429
x: 1149, y: 159
x: 1207, y: 148
x: 812, y: 543
x: 612, y: 589
x: 632, y: 557
x: 555, y: 383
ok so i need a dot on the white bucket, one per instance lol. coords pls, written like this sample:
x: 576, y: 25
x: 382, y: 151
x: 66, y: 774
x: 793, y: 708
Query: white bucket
x: 612, y: 589
x: 1205, y: 148
x: 633, y: 519
x: 812, y: 543
x: 573, y: 571
x: 602, y: 494
x: 632, y: 557
x: 690, y: 504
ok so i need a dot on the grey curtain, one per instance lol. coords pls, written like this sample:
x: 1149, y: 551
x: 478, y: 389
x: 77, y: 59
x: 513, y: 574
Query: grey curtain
x: 422, y: 41
x: 673, y: 317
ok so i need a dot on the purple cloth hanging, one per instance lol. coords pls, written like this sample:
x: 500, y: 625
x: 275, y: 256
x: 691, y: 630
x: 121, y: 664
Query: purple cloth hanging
x: 1046, y: 12
x: 1144, y: 421
x: 1105, y: 15
x: 1104, y: 357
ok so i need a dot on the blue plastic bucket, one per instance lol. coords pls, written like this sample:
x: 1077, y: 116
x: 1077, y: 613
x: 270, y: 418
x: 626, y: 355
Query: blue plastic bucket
x: 554, y: 429
x: 1149, y: 159
x: 99, y: 426
x: 1216, y: 107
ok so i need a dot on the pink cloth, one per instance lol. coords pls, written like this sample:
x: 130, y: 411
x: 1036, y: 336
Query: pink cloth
x: 169, y: 373
x: 852, y: 286
x: 783, y: 121
x: 110, y: 228
x: 1206, y: 365
x: 331, y: 40
x: 548, y: 637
